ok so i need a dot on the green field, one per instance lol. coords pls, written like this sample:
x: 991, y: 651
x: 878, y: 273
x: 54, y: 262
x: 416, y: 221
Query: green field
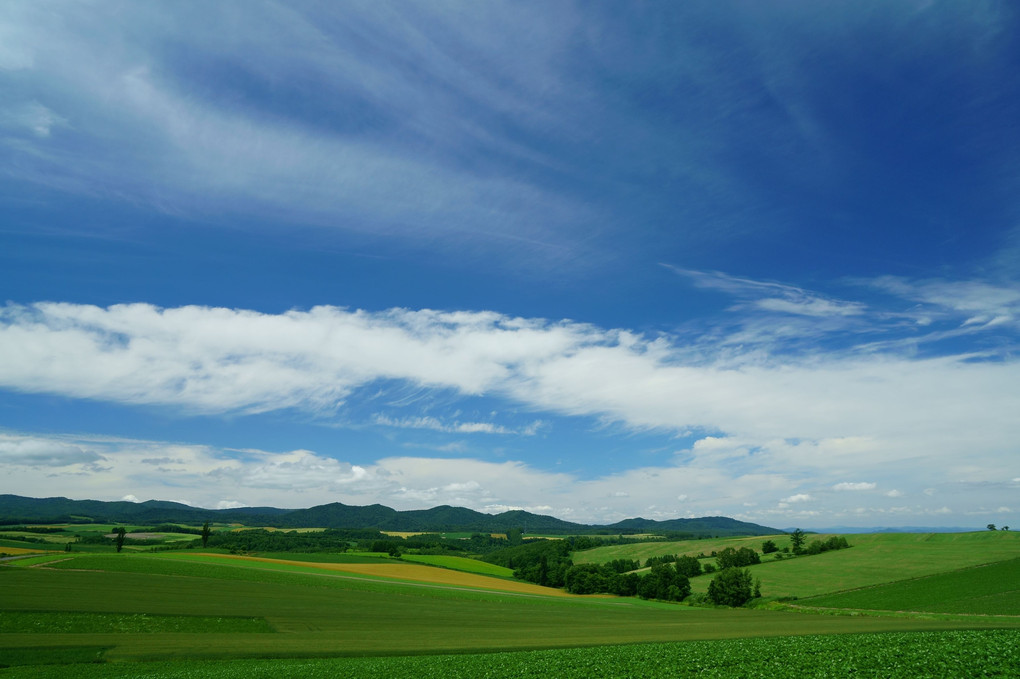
x: 993, y: 589
x: 263, y: 614
x: 873, y: 559
x: 315, y: 614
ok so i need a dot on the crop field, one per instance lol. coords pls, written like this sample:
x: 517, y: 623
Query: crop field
x: 10, y: 550
x: 918, y: 655
x: 398, y: 569
x: 982, y: 590
x: 189, y: 612
x: 315, y: 611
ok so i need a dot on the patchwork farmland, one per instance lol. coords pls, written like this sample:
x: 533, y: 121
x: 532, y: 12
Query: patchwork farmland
x: 187, y: 611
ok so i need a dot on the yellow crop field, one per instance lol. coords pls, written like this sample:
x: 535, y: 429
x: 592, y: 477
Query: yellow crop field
x: 414, y: 573
x: 18, y: 551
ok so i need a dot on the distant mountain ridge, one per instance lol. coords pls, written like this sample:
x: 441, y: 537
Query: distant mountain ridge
x: 15, y: 509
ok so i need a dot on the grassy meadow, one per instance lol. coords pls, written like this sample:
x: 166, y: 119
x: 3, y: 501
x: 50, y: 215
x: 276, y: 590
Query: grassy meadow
x: 873, y: 559
x: 196, y: 613
x: 991, y: 589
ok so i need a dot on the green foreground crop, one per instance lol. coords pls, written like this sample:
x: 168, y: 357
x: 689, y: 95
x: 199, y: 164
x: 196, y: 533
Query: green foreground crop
x: 916, y: 655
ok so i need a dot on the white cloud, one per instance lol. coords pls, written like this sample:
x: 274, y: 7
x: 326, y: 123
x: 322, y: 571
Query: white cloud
x: 31, y: 116
x: 151, y: 132
x: 130, y: 498
x: 772, y: 296
x: 40, y: 452
x: 435, y: 424
x: 847, y: 485
x: 894, y: 493
x: 851, y: 413
x: 773, y: 419
x: 799, y: 497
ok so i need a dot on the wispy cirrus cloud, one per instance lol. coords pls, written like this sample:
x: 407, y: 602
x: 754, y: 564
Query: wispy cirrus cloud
x: 972, y: 304
x: 383, y: 140
x: 770, y: 296
x: 776, y: 317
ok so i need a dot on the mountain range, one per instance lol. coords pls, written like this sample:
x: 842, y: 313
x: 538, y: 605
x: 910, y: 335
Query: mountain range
x: 16, y: 509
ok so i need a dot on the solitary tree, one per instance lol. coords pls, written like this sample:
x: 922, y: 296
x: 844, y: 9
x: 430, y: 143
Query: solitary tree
x: 205, y: 534
x: 120, y: 537
x: 991, y: 526
x: 797, y: 541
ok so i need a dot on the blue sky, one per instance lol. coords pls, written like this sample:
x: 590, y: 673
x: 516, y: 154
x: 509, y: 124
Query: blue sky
x: 592, y: 260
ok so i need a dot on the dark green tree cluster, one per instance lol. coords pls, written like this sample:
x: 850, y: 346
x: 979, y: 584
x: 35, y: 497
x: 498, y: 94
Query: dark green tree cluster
x: 173, y: 528
x: 33, y: 529
x: 259, y: 540
x: 768, y: 547
x: 544, y: 562
x: 662, y: 582
x: 623, y: 565
x: 687, y: 565
x: 737, y: 558
x: 732, y: 587
x: 579, y: 543
x: 665, y: 583
x: 590, y: 578
x: 655, y: 560
x: 819, y: 546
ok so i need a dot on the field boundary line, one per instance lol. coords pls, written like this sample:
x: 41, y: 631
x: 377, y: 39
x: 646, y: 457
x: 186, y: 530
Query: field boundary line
x: 874, y: 612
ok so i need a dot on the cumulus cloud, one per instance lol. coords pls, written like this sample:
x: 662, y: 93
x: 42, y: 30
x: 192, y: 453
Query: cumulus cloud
x: 857, y: 410
x: 304, y: 478
x: 848, y: 485
x: 38, y: 452
x: 752, y: 416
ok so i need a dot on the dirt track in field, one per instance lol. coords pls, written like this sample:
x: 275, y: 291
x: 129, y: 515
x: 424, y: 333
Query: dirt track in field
x: 415, y: 573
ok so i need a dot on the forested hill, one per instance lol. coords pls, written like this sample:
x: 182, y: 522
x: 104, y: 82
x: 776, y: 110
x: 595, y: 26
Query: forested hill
x: 15, y: 509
